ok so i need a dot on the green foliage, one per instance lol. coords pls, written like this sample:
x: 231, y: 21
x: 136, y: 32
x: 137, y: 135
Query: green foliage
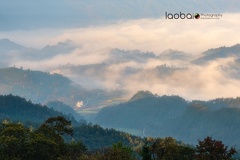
x: 47, y: 143
x: 118, y: 152
x: 210, y: 149
x: 173, y: 116
x: 135, y: 114
x: 13, y: 141
x: 59, y: 125
x: 76, y: 147
x: 42, y: 147
x: 95, y: 137
x: 32, y: 115
x: 165, y: 149
x: 146, y: 154
x: 18, y: 142
x: 19, y: 109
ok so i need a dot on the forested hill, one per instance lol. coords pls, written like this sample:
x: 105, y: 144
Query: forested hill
x: 18, y: 109
x: 173, y: 116
x: 40, y: 87
x: 142, y: 110
x: 216, y: 53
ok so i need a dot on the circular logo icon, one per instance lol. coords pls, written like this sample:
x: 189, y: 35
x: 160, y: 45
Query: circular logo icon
x: 197, y: 16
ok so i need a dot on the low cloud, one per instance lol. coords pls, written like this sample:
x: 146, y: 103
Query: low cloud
x: 156, y: 35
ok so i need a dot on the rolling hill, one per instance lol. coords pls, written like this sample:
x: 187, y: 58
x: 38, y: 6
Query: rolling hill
x: 163, y: 116
x: 218, y: 53
x: 41, y: 87
x: 18, y: 109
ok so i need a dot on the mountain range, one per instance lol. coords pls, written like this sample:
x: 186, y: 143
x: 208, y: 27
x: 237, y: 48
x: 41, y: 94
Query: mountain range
x: 52, y: 90
x: 218, y: 53
x: 127, y: 71
x: 14, y: 109
x: 123, y: 72
x: 162, y: 116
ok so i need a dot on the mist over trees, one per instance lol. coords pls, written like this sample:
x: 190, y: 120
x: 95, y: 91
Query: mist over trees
x: 162, y: 116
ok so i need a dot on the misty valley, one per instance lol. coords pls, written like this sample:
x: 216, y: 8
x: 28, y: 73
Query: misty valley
x: 119, y: 80
x: 128, y: 103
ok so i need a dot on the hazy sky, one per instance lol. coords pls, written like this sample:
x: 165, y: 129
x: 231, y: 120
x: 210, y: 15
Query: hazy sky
x: 157, y: 35
x: 150, y: 33
x: 28, y: 14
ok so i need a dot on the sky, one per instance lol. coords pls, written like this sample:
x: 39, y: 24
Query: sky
x: 145, y: 31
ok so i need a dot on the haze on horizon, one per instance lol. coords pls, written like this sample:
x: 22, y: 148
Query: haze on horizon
x: 148, y: 31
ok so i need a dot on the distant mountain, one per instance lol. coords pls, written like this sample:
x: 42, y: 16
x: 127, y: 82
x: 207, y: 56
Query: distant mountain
x: 50, y: 51
x: 121, y: 56
x: 216, y: 53
x: 65, y: 13
x: 12, y: 52
x: 219, y: 103
x: 7, y: 45
x: 96, y: 72
x: 40, y: 87
x: 141, y: 95
x: 163, y: 71
x: 124, y: 69
x: 18, y: 109
x: 173, y: 116
x: 232, y: 69
x: 174, y: 55
x: 122, y: 66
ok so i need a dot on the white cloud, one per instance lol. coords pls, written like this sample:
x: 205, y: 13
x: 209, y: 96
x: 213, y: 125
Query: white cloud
x: 157, y: 35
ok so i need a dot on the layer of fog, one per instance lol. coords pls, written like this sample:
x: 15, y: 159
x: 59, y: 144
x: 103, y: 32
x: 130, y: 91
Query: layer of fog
x: 156, y: 35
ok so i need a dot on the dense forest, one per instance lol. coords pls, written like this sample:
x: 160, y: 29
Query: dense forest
x: 48, y: 142
x: 17, y: 109
x: 162, y: 116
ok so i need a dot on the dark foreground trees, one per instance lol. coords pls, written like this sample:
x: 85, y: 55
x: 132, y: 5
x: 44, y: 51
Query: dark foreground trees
x: 169, y: 149
x: 20, y: 143
x: 47, y: 143
x: 166, y: 149
x: 210, y: 149
x: 118, y: 152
